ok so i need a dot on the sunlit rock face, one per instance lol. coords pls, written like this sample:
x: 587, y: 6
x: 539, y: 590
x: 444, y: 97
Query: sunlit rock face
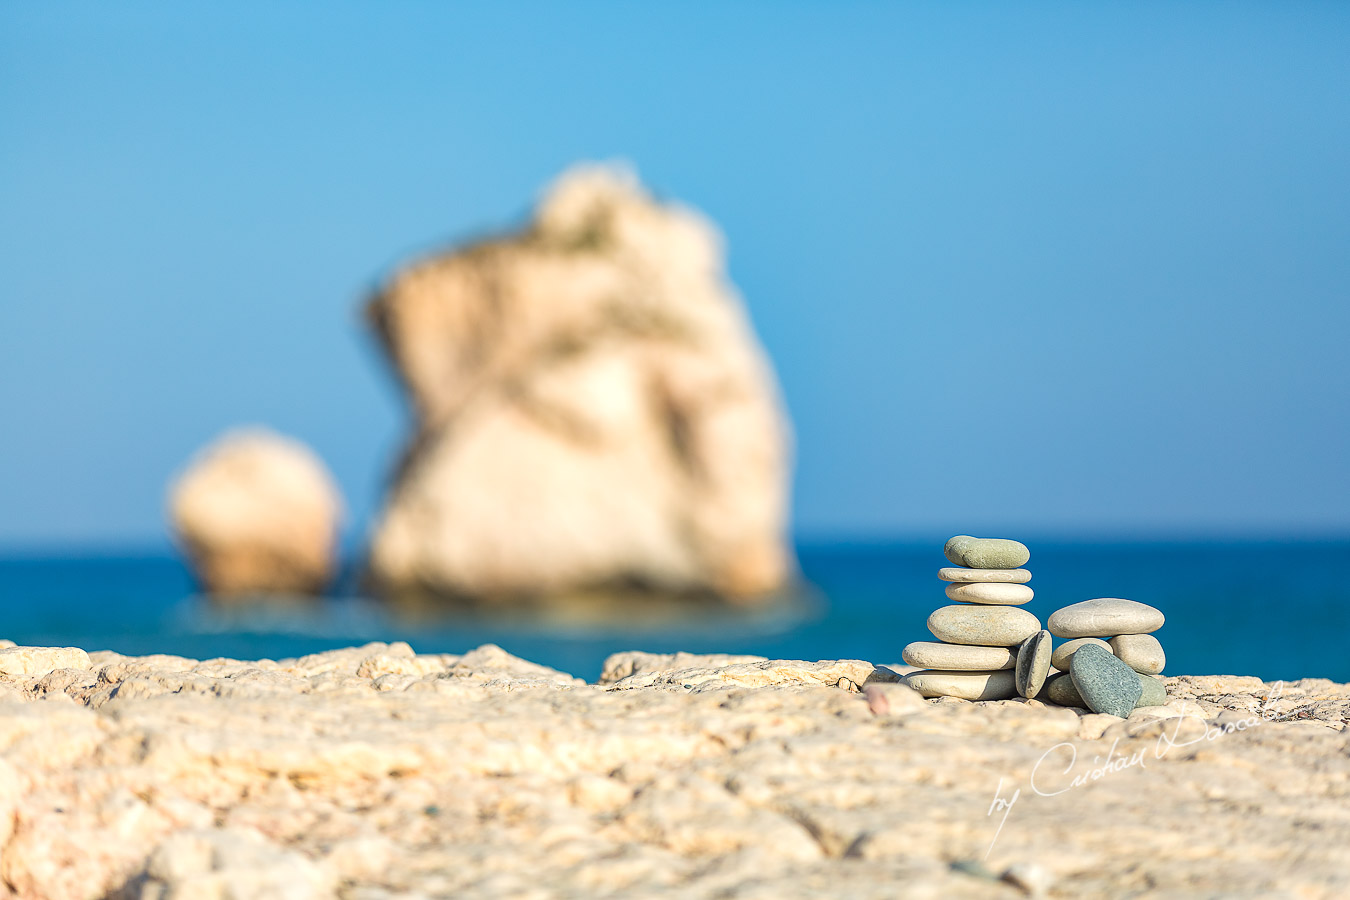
x: 592, y: 409
x: 257, y: 513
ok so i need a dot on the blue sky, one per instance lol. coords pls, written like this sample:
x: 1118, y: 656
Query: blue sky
x: 1043, y: 269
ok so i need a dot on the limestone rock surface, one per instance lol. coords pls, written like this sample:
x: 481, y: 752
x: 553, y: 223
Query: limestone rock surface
x: 375, y: 772
x: 258, y: 513
x: 592, y: 409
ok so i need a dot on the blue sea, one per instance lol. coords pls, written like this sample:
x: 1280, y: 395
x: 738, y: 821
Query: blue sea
x: 1233, y: 608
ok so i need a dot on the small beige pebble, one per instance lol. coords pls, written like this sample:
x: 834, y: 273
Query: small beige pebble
x: 992, y: 593
x: 1065, y: 651
x: 1001, y: 576
x: 1033, y: 879
x: 938, y: 655
x: 1141, y: 652
x: 890, y: 700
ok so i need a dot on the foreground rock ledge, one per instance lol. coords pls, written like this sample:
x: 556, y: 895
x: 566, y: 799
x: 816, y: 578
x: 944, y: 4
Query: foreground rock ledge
x: 374, y: 772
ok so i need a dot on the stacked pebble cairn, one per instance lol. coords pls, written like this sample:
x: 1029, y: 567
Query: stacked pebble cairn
x: 1110, y: 659
x: 986, y: 648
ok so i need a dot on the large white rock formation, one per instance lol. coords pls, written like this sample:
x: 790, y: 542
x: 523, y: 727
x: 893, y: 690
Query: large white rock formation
x: 592, y: 409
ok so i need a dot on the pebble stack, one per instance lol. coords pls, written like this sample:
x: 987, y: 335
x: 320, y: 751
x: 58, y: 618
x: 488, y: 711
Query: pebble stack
x: 986, y: 648
x: 1110, y: 657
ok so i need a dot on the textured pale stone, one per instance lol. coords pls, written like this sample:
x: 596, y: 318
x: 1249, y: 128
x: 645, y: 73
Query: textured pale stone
x: 1065, y: 651
x: 489, y: 776
x: 998, y: 576
x: 1141, y: 652
x: 937, y: 655
x: 991, y: 593
x: 1104, y: 617
x: 963, y: 685
x: 994, y: 626
x: 41, y: 660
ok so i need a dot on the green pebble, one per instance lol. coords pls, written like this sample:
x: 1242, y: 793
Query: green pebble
x: 1155, y: 693
x: 986, y: 553
x: 1105, y: 683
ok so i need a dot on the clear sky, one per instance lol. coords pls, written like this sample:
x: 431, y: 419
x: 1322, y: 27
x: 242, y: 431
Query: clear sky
x: 1043, y: 269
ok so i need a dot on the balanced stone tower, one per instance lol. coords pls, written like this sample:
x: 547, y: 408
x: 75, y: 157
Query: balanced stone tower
x: 986, y: 648
x: 1115, y: 675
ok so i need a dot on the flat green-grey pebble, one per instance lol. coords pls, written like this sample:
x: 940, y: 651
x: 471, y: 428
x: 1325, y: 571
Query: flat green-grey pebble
x: 999, y: 576
x: 998, y: 685
x: 1059, y: 689
x: 991, y: 593
x: 987, y: 626
x: 966, y: 657
x: 1065, y: 651
x: 1155, y: 692
x: 986, y: 553
x: 1033, y: 664
x: 1105, y: 683
x: 1104, y: 617
x: 1140, y: 652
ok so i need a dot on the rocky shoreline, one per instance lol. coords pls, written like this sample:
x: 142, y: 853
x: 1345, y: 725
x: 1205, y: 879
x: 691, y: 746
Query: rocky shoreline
x: 374, y: 772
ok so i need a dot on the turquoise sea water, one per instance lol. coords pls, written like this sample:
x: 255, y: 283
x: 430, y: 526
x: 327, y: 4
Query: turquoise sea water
x: 1247, y: 608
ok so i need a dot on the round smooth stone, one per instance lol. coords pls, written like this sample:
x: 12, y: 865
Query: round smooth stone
x: 986, y: 553
x: 1140, y: 652
x: 987, y: 626
x: 965, y: 657
x: 991, y: 593
x: 998, y: 685
x: 1105, y: 617
x: 1065, y: 651
x: 1105, y: 683
x: 1059, y: 689
x: 1155, y: 692
x: 996, y: 576
x: 1033, y: 664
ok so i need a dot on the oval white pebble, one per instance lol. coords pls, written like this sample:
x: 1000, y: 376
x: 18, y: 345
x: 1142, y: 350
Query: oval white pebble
x: 999, y: 685
x: 965, y: 657
x: 987, y: 626
x: 1140, y: 652
x: 1065, y: 651
x: 1105, y: 617
x: 991, y: 593
x: 1002, y: 576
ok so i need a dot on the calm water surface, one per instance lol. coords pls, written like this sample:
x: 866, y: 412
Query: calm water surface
x: 1231, y: 608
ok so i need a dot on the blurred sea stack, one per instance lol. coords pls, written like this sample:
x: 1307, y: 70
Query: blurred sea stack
x: 592, y: 408
x: 258, y: 513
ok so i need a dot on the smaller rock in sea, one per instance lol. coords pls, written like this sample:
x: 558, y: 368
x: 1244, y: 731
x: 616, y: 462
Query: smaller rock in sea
x: 986, y: 553
x: 992, y: 593
x: 1140, y: 652
x: 1065, y: 651
x: 998, y: 685
x: 1105, y: 617
x: 995, y: 576
x: 967, y: 657
x: 1105, y: 683
x: 987, y: 626
x: 1033, y: 664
